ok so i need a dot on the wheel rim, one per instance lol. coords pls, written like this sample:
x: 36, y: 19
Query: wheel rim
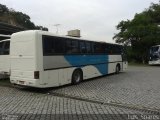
x: 77, y: 77
x: 117, y: 69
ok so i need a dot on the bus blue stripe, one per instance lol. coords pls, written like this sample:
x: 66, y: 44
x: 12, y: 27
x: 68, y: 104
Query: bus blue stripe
x: 77, y: 60
x: 103, y: 68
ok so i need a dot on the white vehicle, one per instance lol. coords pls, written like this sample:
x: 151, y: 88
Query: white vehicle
x: 42, y: 59
x: 154, y: 58
x: 4, y: 58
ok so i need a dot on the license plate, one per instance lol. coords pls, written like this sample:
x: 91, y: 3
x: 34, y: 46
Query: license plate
x: 21, y: 82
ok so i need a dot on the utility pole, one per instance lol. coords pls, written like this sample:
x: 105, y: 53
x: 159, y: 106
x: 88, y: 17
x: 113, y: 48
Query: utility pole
x: 57, y: 25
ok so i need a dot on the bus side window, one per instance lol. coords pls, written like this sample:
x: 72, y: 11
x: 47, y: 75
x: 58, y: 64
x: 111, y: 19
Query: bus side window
x: 59, y: 45
x: 92, y: 47
x: 103, y: 48
x: 68, y: 47
x: 75, y: 46
x: 106, y: 49
x: 117, y: 49
x: 82, y: 47
x: 88, y: 47
x: 48, y: 46
x: 110, y: 49
x: 98, y: 48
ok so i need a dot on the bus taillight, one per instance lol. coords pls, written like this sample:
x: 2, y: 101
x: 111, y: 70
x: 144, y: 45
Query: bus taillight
x: 36, y: 74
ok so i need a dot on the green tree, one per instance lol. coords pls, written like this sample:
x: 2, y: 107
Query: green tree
x: 41, y: 28
x: 3, y: 9
x: 141, y: 32
x: 18, y: 18
x: 22, y: 20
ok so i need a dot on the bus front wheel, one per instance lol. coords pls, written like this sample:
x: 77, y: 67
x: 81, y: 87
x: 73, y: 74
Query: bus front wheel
x: 117, y: 69
x: 77, y: 76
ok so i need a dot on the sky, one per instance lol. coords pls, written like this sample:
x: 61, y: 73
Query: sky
x: 97, y: 19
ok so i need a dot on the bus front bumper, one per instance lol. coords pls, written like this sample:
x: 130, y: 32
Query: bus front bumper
x: 156, y: 62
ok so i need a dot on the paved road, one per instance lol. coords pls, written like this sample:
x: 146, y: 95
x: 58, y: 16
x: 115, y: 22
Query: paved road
x: 139, y: 86
x: 136, y: 91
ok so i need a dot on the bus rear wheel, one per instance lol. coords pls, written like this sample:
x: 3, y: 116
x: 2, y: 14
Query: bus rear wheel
x: 77, y: 76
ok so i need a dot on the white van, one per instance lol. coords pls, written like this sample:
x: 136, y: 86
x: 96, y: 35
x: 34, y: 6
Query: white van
x: 4, y: 58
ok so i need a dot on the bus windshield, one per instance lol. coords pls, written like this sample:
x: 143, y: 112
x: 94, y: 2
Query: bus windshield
x: 154, y: 49
x: 154, y: 53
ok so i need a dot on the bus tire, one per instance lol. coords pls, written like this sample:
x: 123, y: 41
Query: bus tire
x: 117, y: 68
x: 77, y: 76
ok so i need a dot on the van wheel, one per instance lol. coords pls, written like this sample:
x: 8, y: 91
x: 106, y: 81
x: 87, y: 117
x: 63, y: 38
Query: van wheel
x: 77, y: 77
x: 117, y: 69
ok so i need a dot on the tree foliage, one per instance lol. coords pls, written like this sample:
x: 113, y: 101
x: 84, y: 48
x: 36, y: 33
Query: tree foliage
x: 18, y: 18
x: 3, y: 9
x: 141, y: 32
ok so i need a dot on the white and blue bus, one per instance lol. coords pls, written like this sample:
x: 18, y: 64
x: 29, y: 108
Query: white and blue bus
x: 42, y: 59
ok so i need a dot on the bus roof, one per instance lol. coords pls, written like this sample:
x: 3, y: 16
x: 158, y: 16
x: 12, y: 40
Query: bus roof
x: 156, y: 46
x: 1, y: 35
x: 52, y: 34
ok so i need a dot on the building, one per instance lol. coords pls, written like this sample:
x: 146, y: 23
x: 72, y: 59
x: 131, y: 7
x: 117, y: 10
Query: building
x: 6, y: 30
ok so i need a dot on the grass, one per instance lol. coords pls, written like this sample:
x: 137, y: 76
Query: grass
x: 137, y: 64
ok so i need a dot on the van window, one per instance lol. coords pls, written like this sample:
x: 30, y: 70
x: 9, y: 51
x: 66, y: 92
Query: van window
x: 6, y: 48
x: 1, y: 48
